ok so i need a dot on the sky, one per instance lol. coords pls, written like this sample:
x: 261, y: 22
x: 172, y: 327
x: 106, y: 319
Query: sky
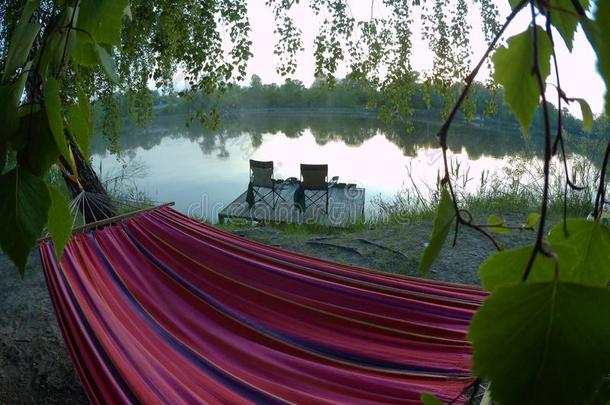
x: 579, y: 76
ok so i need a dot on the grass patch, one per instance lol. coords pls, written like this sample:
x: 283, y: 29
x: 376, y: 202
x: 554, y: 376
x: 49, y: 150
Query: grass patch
x: 397, y: 211
x: 516, y: 189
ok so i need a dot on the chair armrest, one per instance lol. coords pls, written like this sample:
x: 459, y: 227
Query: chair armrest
x: 333, y: 181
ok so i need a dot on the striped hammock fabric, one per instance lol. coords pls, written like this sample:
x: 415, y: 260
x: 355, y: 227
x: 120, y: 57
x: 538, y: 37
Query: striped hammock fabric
x: 162, y: 309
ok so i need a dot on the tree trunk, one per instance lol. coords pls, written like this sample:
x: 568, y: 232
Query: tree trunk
x: 97, y: 204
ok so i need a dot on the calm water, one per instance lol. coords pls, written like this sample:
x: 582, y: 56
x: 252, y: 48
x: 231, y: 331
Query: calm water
x: 203, y: 170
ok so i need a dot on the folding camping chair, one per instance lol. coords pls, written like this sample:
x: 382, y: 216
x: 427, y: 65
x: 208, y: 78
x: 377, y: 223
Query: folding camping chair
x: 314, y: 178
x: 263, y: 184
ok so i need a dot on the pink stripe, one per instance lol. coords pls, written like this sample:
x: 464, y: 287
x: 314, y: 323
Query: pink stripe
x: 180, y: 312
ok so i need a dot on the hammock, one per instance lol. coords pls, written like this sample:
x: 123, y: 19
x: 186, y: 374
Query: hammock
x: 163, y: 309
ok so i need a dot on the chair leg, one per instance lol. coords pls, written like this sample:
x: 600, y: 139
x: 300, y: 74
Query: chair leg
x: 279, y: 197
x: 317, y: 200
x: 263, y: 198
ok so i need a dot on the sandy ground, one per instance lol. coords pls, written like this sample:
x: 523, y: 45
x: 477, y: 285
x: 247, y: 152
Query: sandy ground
x: 36, y: 368
x: 394, y: 248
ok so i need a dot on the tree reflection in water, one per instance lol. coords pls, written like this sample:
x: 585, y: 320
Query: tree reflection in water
x: 350, y: 128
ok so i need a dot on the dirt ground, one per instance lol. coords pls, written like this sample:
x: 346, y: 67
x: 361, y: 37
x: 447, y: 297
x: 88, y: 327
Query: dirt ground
x: 36, y: 368
x: 393, y: 248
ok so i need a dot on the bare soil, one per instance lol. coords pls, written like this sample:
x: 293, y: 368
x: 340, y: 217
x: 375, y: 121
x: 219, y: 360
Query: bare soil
x: 35, y: 367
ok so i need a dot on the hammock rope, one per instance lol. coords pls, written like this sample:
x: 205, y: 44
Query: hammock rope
x: 93, y: 202
x: 161, y: 308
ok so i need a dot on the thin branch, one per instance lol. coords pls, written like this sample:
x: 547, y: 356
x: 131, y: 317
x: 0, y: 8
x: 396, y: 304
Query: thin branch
x: 455, y: 233
x: 507, y: 227
x: 559, y: 137
x: 484, y: 232
x: 444, y: 131
x: 83, y: 31
x: 469, y: 221
x: 65, y: 50
x: 549, y: 32
x: 578, y: 7
x: 460, y: 220
x: 547, y: 150
x: 600, y: 198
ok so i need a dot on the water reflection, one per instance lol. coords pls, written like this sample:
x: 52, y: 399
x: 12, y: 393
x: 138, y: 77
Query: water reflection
x: 352, y: 130
x: 202, y: 170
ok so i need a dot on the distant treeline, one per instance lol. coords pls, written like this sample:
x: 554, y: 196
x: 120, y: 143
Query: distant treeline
x: 483, y: 106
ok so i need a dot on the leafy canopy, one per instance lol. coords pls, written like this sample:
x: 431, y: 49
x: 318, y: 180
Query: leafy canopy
x: 41, y: 52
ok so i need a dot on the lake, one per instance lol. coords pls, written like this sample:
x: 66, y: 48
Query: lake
x: 202, y: 170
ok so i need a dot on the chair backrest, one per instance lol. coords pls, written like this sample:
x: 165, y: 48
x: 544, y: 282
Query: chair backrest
x: 314, y: 177
x: 261, y: 173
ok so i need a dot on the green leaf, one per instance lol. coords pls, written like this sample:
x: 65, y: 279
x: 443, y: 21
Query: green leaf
x: 494, y: 220
x: 542, y: 343
x: 79, y: 127
x: 514, y: 3
x: 40, y: 152
x: 21, y: 39
x: 10, y: 96
x: 591, y: 31
x: 83, y: 103
x: 103, y: 19
x: 54, y: 114
x: 532, y: 219
x: 429, y: 399
x: 496, y: 225
x: 3, y: 152
x: 514, y: 70
x: 592, y: 242
x: 508, y: 266
x: 50, y: 60
x: 84, y: 52
x: 107, y: 63
x: 442, y: 223
x: 60, y: 220
x: 600, y: 45
x: 24, y: 204
x: 8, y: 112
x: 564, y: 17
x: 83, y: 128
x: 587, y: 114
